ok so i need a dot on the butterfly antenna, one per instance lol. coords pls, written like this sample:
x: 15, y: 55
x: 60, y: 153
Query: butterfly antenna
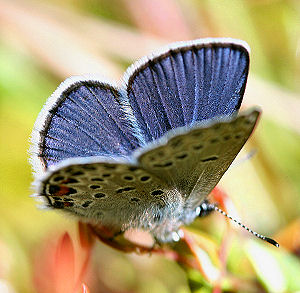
x: 267, y: 239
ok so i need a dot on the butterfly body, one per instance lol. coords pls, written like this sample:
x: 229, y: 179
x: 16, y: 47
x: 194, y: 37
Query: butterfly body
x: 147, y: 154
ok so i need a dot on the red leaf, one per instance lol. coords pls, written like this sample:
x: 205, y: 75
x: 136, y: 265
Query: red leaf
x: 64, y: 261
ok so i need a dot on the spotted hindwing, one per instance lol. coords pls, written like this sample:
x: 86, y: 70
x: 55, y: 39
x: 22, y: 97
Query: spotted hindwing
x: 194, y: 160
x: 118, y: 196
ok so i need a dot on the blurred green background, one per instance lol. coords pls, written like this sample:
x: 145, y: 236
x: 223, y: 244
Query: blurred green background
x: 44, y: 42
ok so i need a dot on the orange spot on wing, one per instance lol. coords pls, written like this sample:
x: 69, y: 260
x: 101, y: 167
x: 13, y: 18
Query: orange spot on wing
x: 63, y: 190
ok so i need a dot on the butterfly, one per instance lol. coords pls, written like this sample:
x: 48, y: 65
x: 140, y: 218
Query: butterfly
x: 145, y: 154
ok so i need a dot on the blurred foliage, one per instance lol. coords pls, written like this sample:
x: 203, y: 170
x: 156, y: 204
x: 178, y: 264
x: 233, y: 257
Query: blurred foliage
x: 43, y: 42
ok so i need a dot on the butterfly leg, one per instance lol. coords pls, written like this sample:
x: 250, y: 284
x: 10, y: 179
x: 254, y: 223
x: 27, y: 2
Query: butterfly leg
x: 117, y: 240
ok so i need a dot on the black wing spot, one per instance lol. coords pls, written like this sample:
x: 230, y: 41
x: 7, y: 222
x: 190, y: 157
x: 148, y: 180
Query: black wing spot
x: 88, y: 167
x: 198, y: 147
x: 58, y: 205
x: 151, y: 158
x: 58, y: 178
x: 227, y: 137
x: 181, y: 157
x: 134, y: 199
x: 167, y: 164
x: 161, y: 153
x: 176, y: 143
x: 68, y: 199
x: 110, y: 167
x: 196, y: 133
x: 77, y: 173
x: 95, y: 186
x: 214, y: 140
x: 97, y: 179
x: 71, y: 180
x: 99, y: 195
x: 106, y: 175
x: 71, y: 191
x: 128, y: 188
x: 128, y: 178
x: 86, y: 204
x: 238, y: 136
x: 53, y: 189
x: 208, y: 159
x: 157, y: 192
x: 145, y: 178
x: 69, y: 169
x: 132, y: 169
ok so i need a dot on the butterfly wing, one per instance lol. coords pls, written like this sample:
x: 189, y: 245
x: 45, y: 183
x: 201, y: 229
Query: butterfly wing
x: 84, y: 117
x: 116, y: 195
x: 182, y: 85
x: 194, y: 160
x: 186, y: 83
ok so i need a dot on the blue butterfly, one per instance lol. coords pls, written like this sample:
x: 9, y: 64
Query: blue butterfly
x: 145, y: 154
